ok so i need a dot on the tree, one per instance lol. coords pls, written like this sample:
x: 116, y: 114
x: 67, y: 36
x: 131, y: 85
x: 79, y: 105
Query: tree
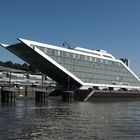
x: 17, y: 66
x: 32, y: 69
x: 9, y: 64
x: 25, y: 67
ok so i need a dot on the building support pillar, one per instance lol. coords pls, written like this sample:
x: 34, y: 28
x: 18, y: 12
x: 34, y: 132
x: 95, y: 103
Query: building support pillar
x: 68, y: 96
x: 8, y: 96
x: 41, y: 96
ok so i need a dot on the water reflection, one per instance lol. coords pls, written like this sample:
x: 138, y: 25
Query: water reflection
x: 57, y: 120
x: 10, y: 104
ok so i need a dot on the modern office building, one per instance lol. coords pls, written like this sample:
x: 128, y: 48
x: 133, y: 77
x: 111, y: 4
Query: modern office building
x: 76, y: 67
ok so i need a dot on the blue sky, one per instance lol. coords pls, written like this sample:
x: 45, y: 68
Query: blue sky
x: 112, y: 25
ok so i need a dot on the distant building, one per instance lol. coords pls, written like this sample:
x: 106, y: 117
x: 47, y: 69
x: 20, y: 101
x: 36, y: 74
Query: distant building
x: 22, y: 78
x: 76, y: 67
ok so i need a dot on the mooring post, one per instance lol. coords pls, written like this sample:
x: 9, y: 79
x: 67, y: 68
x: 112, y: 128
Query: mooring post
x: 42, y: 81
x: 8, y: 96
x: 26, y: 90
x: 41, y: 96
x: 10, y: 76
x: 68, y: 96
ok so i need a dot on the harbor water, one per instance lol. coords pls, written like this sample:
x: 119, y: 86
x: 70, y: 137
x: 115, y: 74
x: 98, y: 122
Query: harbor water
x: 57, y: 120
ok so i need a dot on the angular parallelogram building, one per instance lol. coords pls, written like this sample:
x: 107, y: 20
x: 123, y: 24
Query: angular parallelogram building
x: 76, y: 67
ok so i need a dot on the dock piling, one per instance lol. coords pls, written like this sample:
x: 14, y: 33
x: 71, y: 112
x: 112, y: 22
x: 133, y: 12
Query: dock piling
x: 8, y: 96
x: 41, y: 96
x: 68, y: 96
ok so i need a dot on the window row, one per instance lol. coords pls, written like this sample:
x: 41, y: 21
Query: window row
x: 58, y: 53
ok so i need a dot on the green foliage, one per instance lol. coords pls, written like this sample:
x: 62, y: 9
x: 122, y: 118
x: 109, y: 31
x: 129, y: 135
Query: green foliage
x: 25, y: 67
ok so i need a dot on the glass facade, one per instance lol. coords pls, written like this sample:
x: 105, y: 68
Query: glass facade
x: 93, y: 69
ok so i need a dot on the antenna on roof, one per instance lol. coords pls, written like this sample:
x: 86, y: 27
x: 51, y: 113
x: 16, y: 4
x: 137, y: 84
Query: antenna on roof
x: 66, y: 44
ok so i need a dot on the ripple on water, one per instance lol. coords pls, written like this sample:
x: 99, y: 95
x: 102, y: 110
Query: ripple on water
x: 77, y: 120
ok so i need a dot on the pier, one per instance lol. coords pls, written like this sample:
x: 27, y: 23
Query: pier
x: 92, y: 94
x: 8, y: 95
x: 68, y: 96
x: 41, y: 96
